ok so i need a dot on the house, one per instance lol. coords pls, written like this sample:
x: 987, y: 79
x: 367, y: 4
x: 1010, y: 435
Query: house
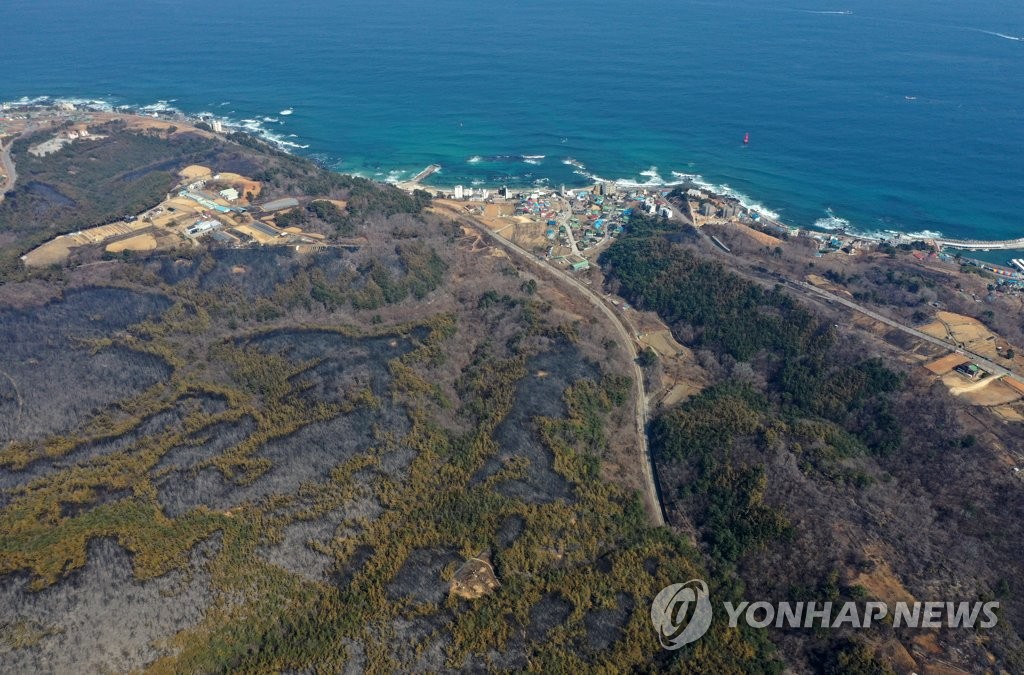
x: 230, y: 194
x: 971, y: 371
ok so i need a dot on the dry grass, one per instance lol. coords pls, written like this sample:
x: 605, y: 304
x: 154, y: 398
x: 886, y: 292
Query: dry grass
x: 53, y: 252
x: 995, y: 392
x: 57, y: 250
x: 195, y: 171
x: 946, y: 364
x: 756, y: 235
x: 521, y: 230
x: 882, y: 582
x: 256, y: 234
x: 1015, y: 384
x: 975, y: 336
x: 140, y: 242
x: 663, y: 343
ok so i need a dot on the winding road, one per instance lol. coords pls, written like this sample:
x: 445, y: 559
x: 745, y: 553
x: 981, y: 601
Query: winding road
x: 654, y: 506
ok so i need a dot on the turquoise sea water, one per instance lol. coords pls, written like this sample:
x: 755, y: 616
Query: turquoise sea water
x: 904, y: 116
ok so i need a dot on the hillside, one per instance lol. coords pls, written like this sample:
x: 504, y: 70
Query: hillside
x: 816, y: 465
x: 261, y: 459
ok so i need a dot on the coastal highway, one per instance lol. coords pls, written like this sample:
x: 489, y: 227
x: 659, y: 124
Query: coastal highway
x: 990, y: 366
x: 978, y: 244
x: 654, y: 506
x: 7, y: 168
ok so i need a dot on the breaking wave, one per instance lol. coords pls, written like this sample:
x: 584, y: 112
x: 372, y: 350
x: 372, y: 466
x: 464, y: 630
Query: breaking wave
x: 164, y: 107
x: 723, y: 189
x: 833, y: 223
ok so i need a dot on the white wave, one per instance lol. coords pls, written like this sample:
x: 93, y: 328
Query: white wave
x: 592, y: 177
x: 270, y: 119
x: 832, y: 222
x: 286, y: 112
x: 839, y: 12
x: 654, y: 180
x: 475, y: 159
x: 256, y: 128
x: 1015, y: 38
x: 528, y: 157
x: 534, y: 162
x: 160, y: 107
x: 96, y: 105
x: 724, y: 190
x: 476, y: 182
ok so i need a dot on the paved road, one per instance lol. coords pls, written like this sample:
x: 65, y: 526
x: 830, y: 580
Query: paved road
x: 7, y: 167
x: 654, y: 507
x: 990, y: 366
x: 563, y: 219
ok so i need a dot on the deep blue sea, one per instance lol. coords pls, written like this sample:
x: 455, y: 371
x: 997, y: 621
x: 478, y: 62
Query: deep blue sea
x: 893, y: 115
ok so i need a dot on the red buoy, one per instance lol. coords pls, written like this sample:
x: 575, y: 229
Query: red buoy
x: 746, y: 138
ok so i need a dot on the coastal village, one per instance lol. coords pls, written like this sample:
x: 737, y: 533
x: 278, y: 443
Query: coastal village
x: 567, y: 229
x: 571, y: 226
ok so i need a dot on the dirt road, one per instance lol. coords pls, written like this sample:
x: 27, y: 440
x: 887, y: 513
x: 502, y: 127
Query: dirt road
x: 654, y: 507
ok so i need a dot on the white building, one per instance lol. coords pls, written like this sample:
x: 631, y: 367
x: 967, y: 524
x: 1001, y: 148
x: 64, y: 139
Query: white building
x: 202, y: 227
x: 230, y: 194
x: 218, y: 126
x: 460, y: 192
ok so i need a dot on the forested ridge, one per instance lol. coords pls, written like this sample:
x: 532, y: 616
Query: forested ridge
x: 804, y: 432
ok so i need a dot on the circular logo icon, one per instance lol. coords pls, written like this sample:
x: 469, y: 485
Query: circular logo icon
x: 681, y: 613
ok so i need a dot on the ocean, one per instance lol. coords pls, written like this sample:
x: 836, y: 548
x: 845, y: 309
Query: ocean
x: 877, y: 116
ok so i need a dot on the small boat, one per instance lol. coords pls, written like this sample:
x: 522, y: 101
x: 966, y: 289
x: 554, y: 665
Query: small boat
x: 746, y: 139
x: 910, y: 98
